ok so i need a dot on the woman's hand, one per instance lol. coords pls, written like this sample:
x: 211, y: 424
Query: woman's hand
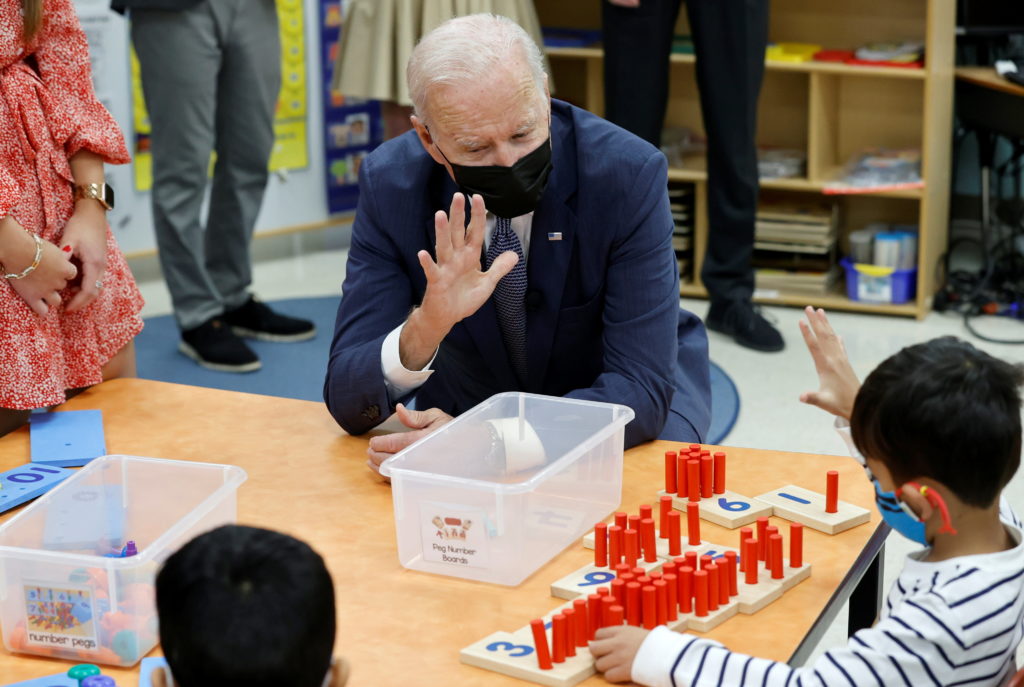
x: 86, y: 236
x: 41, y: 287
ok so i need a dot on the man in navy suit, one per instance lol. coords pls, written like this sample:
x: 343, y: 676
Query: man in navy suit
x: 563, y: 281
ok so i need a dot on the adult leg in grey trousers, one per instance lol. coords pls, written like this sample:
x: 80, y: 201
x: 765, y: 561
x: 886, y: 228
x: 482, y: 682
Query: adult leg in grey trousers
x: 210, y: 77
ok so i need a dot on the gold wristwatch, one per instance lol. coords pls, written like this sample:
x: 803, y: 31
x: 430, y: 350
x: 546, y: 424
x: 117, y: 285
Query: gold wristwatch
x: 101, y: 193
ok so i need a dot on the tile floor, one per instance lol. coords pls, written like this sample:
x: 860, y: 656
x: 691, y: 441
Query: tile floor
x: 769, y: 385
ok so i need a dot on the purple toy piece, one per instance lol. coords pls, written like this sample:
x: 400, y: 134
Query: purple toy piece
x: 99, y: 681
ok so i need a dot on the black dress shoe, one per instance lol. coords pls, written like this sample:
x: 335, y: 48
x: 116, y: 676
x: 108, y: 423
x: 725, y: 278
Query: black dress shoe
x: 255, y: 320
x: 745, y: 324
x: 214, y: 346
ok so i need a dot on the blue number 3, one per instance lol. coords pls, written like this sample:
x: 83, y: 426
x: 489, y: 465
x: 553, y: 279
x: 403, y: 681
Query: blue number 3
x: 514, y: 650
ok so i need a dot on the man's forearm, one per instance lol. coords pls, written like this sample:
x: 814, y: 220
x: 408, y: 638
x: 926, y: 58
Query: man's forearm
x: 419, y: 340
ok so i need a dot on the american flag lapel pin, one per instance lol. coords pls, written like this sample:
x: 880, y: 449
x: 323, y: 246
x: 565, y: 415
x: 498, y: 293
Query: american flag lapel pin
x: 554, y: 236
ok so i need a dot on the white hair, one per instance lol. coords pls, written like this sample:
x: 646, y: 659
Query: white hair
x: 468, y: 49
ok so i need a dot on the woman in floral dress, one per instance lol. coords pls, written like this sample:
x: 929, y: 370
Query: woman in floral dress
x: 69, y: 307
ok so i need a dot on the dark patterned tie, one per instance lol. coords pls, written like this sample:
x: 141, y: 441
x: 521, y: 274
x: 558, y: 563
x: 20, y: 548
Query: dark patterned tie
x: 510, y: 294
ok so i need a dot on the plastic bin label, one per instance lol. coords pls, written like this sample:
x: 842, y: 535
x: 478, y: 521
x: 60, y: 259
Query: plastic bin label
x: 453, y: 535
x: 60, y: 617
x: 874, y: 289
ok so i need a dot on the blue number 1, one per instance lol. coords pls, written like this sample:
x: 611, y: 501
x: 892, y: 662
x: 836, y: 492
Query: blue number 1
x: 794, y: 498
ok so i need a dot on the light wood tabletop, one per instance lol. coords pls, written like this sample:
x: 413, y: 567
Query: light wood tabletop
x: 307, y: 478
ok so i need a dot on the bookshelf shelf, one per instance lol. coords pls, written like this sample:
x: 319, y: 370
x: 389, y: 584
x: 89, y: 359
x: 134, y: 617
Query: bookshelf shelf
x: 829, y: 110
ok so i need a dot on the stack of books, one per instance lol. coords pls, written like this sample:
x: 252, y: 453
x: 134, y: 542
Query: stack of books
x: 795, y: 248
x: 681, y: 198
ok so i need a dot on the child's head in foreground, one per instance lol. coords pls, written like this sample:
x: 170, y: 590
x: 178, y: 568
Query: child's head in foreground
x: 243, y: 606
x: 942, y: 411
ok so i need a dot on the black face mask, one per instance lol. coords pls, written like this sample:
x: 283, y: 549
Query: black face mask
x: 507, y: 191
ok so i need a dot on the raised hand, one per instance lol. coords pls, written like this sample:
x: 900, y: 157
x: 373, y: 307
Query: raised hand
x: 456, y: 286
x: 838, y: 383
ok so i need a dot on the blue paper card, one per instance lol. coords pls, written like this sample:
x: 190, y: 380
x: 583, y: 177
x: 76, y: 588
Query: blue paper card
x: 67, y: 438
x: 24, y: 483
x: 58, y: 680
x: 148, y: 667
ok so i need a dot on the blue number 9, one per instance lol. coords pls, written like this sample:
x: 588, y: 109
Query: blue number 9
x: 593, y: 578
x: 733, y: 505
x: 514, y: 650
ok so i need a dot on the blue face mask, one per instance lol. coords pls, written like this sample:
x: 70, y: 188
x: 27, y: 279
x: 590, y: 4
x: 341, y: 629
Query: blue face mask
x: 898, y: 515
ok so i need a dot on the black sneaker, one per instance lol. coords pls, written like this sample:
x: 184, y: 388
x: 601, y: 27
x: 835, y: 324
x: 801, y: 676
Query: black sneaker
x: 744, y: 323
x: 214, y: 346
x: 255, y: 320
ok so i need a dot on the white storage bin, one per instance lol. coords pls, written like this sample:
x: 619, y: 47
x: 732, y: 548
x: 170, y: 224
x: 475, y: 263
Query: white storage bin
x: 500, y: 490
x: 60, y: 595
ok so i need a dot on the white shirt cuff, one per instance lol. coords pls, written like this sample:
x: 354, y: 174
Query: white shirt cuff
x: 652, y: 665
x: 399, y: 380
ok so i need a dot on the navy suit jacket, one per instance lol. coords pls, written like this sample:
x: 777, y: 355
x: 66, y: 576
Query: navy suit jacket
x: 603, y: 315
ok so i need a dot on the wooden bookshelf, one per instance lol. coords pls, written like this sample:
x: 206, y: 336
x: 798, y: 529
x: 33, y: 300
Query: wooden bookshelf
x: 829, y: 110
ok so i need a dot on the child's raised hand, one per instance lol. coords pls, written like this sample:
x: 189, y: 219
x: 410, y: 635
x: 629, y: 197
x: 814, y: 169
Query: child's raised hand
x: 838, y: 382
x: 614, y: 649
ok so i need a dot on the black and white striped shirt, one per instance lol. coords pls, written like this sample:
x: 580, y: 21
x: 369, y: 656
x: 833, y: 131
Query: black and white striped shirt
x: 953, y: 622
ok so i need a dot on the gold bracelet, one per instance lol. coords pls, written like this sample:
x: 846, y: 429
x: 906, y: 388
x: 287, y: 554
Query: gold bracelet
x: 35, y: 261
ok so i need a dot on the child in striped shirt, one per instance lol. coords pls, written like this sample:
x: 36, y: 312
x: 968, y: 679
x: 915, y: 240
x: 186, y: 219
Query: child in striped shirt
x: 939, y: 426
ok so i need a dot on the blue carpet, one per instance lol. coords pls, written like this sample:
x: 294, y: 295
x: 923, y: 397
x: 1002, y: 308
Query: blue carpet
x: 296, y: 370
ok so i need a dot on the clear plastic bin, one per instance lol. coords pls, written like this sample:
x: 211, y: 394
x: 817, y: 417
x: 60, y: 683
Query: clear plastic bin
x: 503, y: 488
x: 60, y: 593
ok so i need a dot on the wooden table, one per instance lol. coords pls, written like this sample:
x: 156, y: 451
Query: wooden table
x: 309, y: 479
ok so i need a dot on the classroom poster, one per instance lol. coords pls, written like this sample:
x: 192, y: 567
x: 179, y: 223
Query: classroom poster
x: 352, y: 128
x: 290, y: 126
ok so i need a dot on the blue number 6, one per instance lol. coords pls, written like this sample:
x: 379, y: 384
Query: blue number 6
x: 514, y: 650
x: 733, y: 505
x: 593, y: 578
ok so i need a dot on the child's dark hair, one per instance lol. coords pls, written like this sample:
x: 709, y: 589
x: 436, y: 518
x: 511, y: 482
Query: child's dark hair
x: 242, y: 606
x: 944, y: 410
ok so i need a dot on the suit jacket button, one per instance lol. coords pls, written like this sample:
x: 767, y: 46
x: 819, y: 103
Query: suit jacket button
x: 372, y: 413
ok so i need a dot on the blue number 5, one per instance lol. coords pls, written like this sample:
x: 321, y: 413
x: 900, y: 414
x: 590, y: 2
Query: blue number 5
x: 514, y: 650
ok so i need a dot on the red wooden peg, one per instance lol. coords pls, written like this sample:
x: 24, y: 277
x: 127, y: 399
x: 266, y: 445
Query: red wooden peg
x: 650, y: 606
x: 762, y: 538
x: 749, y: 554
x: 775, y: 541
x: 686, y: 589
x: 570, y: 631
x: 706, y: 476
x: 540, y: 644
x: 693, y: 523
x: 682, y: 483
x: 745, y: 534
x: 661, y: 601
x: 601, y: 545
x: 665, y: 504
x: 713, y: 584
x: 719, y: 480
x: 796, y: 544
x: 700, y: 594
x: 615, y: 615
x: 731, y: 567
x: 670, y: 472
x: 672, y: 590
x: 649, y: 540
x: 582, y: 633
x: 633, y: 606
x: 675, y: 544
x: 558, y: 638
x: 616, y: 545
x: 832, y: 492
x: 693, y: 480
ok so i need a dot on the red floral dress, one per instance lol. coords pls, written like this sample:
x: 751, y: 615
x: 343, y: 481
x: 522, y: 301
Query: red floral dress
x: 45, y: 118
